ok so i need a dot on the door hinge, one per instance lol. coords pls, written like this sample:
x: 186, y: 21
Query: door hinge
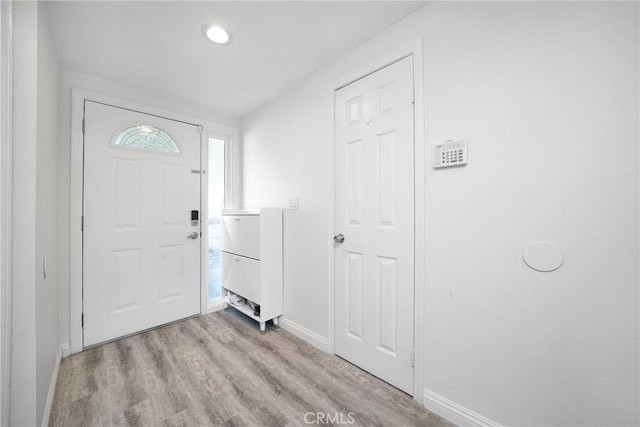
x: 83, y: 125
x: 82, y: 223
x: 82, y: 320
x: 413, y: 358
x: 200, y: 129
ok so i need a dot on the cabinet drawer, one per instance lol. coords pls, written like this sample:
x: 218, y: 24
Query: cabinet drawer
x: 241, y: 235
x: 241, y: 275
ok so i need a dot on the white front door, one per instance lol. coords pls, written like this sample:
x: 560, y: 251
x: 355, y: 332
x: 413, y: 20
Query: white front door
x: 374, y: 211
x: 141, y: 265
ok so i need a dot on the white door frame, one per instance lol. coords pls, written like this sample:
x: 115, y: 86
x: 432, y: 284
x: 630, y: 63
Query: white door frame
x: 5, y: 206
x: 231, y: 199
x: 420, y: 161
x: 78, y: 96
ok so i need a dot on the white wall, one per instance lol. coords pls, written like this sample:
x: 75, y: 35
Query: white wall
x: 25, y: 83
x: 547, y: 95
x: 35, y: 117
x: 286, y: 152
x: 72, y: 79
x: 47, y: 343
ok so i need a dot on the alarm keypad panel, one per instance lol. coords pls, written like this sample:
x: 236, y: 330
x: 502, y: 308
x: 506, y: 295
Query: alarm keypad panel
x: 450, y: 153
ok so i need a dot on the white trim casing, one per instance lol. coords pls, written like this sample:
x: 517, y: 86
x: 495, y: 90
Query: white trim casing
x: 52, y: 388
x: 420, y: 223
x: 216, y: 304
x: 453, y: 411
x: 78, y: 96
x: 414, y: 49
x: 203, y: 222
x: 332, y: 230
x: 303, y: 333
x: 5, y: 205
x: 75, y: 218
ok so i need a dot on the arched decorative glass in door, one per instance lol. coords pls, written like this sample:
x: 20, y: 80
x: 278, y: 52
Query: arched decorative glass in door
x: 148, y: 138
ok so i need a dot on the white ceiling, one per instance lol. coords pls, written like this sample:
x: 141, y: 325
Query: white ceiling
x: 159, y: 46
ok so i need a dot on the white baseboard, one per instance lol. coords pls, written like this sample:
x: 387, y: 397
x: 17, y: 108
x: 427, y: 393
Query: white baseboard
x: 303, y: 333
x: 66, y: 350
x: 52, y: 387
x: 454, y: 412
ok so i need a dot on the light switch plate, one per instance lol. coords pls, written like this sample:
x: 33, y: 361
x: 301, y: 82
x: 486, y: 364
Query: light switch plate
x: 293, y: 202
x: 450, y: 153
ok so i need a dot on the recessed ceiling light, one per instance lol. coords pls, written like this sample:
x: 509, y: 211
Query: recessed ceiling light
x: 217, y: 34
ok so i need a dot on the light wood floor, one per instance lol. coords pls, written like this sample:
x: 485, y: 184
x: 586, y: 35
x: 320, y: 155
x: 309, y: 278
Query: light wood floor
x: 219, y: 370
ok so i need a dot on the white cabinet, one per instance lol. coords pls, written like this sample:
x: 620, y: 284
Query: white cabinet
x: 241, y: 234
x: 252, y: 261
x: 241, y: 275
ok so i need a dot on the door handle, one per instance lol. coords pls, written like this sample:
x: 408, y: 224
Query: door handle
x: 338, y: 238
x: 193, y: 235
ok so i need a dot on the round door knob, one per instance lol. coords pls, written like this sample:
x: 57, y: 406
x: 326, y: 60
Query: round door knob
x: 338, y: 238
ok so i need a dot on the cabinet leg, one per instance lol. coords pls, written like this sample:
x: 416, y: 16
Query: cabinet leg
x: 263, y: 326
x: 275, y: 322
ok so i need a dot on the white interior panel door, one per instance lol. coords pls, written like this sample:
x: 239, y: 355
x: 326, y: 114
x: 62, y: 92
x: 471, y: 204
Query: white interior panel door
x: 141, y: 265
x: 374, y: 211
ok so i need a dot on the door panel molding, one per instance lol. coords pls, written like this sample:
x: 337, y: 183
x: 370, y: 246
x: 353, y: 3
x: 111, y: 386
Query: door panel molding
x: 412, y: 48
x: 78, y: 98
